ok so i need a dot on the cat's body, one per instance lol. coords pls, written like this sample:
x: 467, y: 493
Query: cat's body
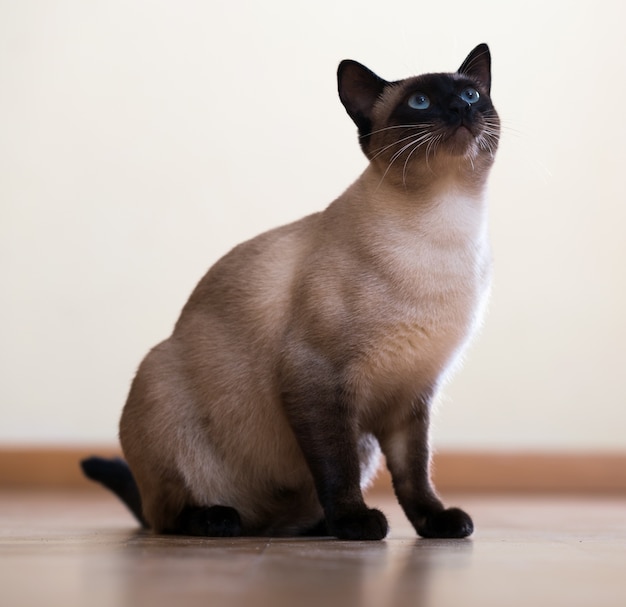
x: 304, y: 349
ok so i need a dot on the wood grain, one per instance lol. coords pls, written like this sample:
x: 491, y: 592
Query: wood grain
x: 78, y: 548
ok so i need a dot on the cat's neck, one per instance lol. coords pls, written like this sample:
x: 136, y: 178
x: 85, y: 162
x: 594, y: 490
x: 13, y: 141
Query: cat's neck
x: 409, y: 200
x: 374, y: 215
x: 423, y: 181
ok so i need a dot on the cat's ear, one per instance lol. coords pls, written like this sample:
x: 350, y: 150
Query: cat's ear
x: 477, y: 66
x: 359, y: 89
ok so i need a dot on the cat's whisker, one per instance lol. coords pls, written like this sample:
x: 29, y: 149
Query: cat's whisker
x: 406, y: 163
x: 399, y: 153
x: 380, y: 151
x: 408, y: 145
x: 416, y: 143
x: 395, y: 126
x: 414, y: 130
x: 510, y: 127
x: 413, y: 137
x: 491, y: 144
x: 433, y: 143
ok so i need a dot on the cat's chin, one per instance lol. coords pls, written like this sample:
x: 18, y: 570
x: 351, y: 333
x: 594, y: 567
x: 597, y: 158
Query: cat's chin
x: 461, y: 142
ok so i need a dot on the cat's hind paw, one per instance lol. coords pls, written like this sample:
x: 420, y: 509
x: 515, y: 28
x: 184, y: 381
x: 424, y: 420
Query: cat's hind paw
x: 212, y: 521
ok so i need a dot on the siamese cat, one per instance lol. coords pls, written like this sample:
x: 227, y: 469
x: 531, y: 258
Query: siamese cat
x: 306, y: 351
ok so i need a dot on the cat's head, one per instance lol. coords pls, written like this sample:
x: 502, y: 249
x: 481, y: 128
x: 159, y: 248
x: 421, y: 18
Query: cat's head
x: 425, y: 120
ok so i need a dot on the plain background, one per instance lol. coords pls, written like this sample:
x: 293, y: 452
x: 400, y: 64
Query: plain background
x: 139, y: 141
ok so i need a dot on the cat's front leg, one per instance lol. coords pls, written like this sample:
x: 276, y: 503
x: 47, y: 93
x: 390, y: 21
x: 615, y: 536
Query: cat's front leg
x: 408, y: 458
x: 320, y: 415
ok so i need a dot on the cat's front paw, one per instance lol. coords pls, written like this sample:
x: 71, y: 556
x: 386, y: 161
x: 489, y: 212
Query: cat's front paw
x: 361, y: 525
x: 450, y: 523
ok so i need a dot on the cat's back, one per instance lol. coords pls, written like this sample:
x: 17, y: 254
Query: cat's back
x: 252, y: 285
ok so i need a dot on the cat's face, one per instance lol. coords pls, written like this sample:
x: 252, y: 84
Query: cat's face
x: 424, y: 121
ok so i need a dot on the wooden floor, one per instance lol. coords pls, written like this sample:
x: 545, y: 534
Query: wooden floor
x: 81, y: 549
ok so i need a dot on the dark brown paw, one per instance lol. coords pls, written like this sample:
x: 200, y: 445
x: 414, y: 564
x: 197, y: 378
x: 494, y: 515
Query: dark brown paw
x: 213, y: 521
x: 450, y: 523
x: 361, y: 525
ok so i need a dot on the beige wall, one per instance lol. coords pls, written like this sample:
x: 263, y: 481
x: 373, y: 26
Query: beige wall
x: 139, y: 141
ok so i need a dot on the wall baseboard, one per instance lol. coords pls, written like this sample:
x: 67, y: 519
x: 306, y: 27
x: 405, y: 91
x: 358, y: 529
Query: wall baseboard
x: 525, y: 472
x: 47, y: 467
x: 453, y: 471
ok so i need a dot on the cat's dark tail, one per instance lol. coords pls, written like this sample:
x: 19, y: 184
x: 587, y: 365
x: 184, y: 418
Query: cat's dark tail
x: 116, y: 476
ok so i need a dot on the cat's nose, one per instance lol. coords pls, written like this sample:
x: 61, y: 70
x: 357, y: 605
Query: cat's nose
x: 459, y: 106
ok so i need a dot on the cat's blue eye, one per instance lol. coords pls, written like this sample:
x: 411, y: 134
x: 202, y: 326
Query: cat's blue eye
x: 419, y: 101
x: 470, y: 95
